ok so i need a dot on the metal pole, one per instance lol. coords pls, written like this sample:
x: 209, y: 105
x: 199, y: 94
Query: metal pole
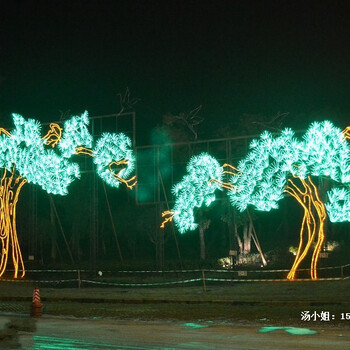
x: 62, y: 231
x: 134, y: 129
x: 203, y: 279
x: 113, y: 226
x: 93, y: 233
x: 172, y: 226
x: 79, y: 280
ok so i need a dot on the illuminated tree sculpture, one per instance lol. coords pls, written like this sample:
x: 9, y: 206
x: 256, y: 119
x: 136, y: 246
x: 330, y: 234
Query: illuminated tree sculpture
x: 197, y: 187
x: 26, y: 156
x: 281, y: 165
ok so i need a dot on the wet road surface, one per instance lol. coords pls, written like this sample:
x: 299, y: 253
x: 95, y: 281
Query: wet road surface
x: 95, y: 334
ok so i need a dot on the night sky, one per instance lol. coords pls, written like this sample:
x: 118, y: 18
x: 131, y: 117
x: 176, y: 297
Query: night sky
x: 231, y: 57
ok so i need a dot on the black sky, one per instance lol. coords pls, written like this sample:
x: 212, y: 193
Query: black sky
x: 232, y: 57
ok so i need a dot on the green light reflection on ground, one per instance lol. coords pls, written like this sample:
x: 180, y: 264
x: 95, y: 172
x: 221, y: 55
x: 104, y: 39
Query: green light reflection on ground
x: 193, y: 325
x: 55, y: 343
x: 291, y: 330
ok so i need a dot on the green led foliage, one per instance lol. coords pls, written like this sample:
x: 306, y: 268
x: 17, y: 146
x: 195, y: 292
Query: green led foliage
x: 323, y: 151
x: 195, y: 189
x: 26, y: 156
x: 26, y: 151
x: 75, y: 134
x: 110, y: 148
x: 277, y: 165
x: 262, y: 174
x: 338, y: 206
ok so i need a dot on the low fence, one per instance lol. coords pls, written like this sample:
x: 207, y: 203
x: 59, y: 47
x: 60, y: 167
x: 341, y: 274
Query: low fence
x: 77, y: 278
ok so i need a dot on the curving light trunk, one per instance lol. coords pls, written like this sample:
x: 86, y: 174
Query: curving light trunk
x: 10, y: 188
x: 312, y: 227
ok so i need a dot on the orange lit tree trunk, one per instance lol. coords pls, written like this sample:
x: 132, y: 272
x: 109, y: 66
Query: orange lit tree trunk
x: 10, y: 188
x: 312, y: 227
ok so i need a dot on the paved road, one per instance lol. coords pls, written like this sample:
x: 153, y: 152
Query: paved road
x: 78, y: 334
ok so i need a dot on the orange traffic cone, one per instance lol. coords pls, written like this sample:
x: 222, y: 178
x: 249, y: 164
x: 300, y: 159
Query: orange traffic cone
x: 36, y: 304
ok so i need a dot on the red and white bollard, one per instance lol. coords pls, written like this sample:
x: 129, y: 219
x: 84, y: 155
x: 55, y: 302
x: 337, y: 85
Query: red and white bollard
x: 36, y: 304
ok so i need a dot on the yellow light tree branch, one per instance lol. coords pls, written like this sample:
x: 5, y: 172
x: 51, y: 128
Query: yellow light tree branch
x: 9, y: 193
x: 310, y: 201
x: 53, y: 136
x: 130, y: 183
x: 226, y: 185
x: 235, y: 171
x: 309, y: 220
x: 168, y: 216
x: 321, y: 211
x: 346, y: 132
x: 4, y: 131
x: 84, y: 150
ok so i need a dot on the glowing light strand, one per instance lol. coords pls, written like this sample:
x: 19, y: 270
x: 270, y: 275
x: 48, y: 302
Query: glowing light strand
x: 4, y: 131
x: 168, y: 215
x: 75, y: 134
x: 114, y: 149
x: 54, y: 135
x: 323, y: 152
x: 261, y: 179
x: 24, y: 158
x: 314, y: 226
x: 204, y: 177
x: 10, y: 189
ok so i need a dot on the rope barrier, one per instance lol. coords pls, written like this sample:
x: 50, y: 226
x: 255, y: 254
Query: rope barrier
x: 36, y: 281
x: 181, y: 271
x: 241, y: 273
x: 64, y: 271
x: 206, y: 279
x: 142, y: 284
x: 275, y: 280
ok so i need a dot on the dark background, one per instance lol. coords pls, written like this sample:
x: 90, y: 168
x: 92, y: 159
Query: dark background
x: 231, y: 57
x: 235, y: 58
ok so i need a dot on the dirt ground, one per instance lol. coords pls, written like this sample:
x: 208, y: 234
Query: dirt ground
x: 289, y: 291
x: 264, y: 302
